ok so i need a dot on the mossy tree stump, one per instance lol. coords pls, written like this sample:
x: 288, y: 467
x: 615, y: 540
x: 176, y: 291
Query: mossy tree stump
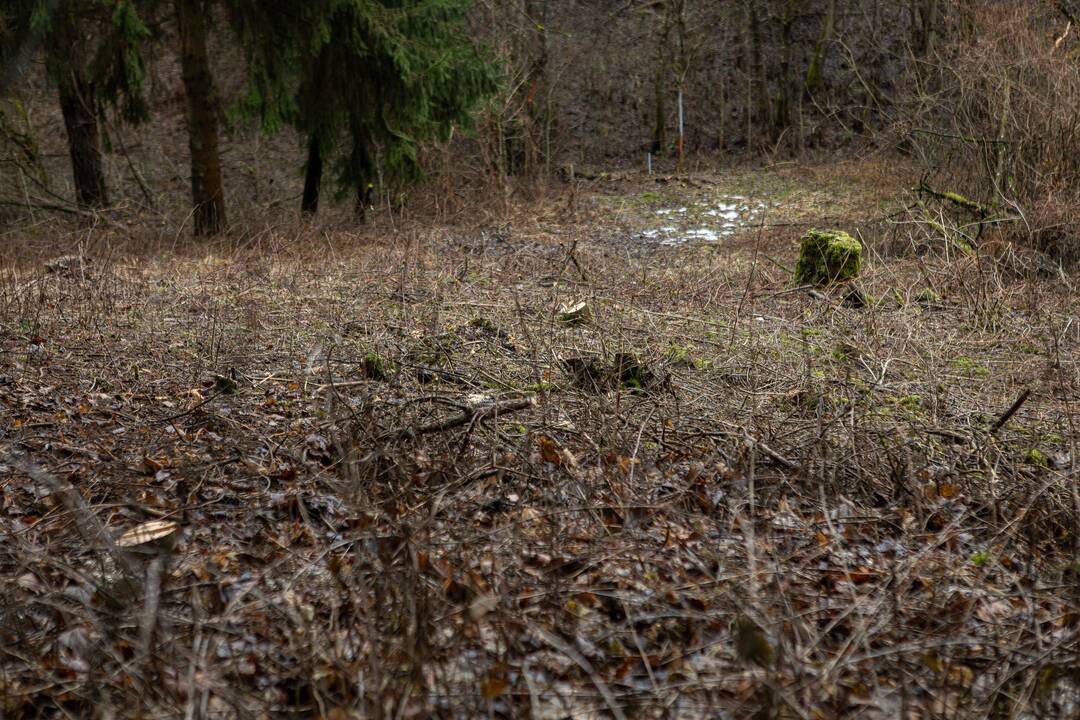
x: 827, y: 256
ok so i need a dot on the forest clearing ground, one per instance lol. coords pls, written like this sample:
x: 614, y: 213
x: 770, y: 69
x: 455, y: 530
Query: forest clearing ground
x: 718, y: 468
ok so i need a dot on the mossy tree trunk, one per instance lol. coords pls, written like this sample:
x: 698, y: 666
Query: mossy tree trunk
x: 78, y: 106
x: 319, y: 135
x: 207, y: 190
x: 659, y: 135
x: 930, y: 21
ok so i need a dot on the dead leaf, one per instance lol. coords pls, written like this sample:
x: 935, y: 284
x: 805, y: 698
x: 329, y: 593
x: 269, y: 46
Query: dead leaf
x: 160, y: 532
x: 549, y: 451
x: 494, y: 687
x: 961, y: 676
x: 574, y: 313
x: 624, y: 668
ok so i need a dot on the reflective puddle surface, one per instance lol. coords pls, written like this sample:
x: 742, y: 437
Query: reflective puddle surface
x: 709, y: 221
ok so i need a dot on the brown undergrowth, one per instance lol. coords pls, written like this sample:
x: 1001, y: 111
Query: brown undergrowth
x: 411, y: 484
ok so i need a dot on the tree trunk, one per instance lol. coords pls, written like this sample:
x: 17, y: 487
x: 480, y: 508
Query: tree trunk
x: 312, y: 178
x: 84, y: 142
x: 782, y: 109
x: 721, y: 116
x: 659, y: 139
x: 207, y: 191
x: 683, y: 71
x: 80, y: 116
x: 757, y: 110
x: 538, y: 97
x: 930, y: 19
x: 362, y: 170
x: 17, y: 55
x: 924, y: 17
x: 365, y: 196
x: 815, y: 73
x: 916, y: 25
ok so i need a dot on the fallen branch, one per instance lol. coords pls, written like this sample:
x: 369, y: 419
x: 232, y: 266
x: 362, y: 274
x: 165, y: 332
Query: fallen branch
x: 471, y: 414
x: 1017, y: 404
x: 777, y: 457
x: 780, y: 265
x: 191, y: 409
x: 977, y: 208
x: 89, y: 526
x: 42, y: 206
x: 965, y: 138
x: 151, y: 601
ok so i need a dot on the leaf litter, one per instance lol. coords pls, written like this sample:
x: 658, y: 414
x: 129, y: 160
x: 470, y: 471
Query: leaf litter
x: 756, y: 520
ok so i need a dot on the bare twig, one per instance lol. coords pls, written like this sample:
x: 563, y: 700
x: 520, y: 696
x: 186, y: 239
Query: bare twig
x: 1017, y: 404
x: 566, y: 649
x: 92, y: 530
x: 471, y: 415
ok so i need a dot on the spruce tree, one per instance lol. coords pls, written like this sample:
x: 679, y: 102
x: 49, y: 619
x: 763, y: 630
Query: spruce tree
x: 93, y: 56
x: 22, y: 28
x: 372, y: 79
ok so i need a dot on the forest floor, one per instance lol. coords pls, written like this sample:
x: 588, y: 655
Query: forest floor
x: 603, y: 460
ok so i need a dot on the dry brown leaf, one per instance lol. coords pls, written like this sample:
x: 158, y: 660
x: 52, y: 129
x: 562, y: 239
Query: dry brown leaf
x: 494, y: 687
x: 549, y: 451
x: 148, y: 532
x: 961, y: 676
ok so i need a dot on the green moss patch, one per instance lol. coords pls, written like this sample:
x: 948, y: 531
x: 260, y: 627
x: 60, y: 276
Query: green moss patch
x: 1034, y: 456
x: 827, y: 256
x: 376, y: 367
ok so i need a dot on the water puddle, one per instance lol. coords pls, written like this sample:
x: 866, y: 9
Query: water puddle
x: 709, y: 221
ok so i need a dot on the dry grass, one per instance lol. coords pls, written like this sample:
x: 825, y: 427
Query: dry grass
x: 995, y: 119
x: 817, y: 488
